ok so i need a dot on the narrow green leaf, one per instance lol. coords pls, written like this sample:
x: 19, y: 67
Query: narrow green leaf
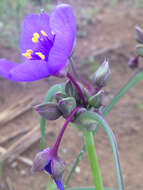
x: 133, y: 81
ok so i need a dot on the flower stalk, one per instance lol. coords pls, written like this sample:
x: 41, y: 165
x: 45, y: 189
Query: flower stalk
x: 78, y: 87
x: 92, y: 156
x: 56, y: 146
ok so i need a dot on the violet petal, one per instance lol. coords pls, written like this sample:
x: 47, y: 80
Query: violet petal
x: 63, y: 24
x: 29, y: 71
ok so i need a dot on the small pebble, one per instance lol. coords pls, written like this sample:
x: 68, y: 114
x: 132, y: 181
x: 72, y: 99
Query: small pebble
x: 23, y: 172
x: 64, y: 150
x: 77, y: 169
x: 14, y: 165
x: 80, y: 134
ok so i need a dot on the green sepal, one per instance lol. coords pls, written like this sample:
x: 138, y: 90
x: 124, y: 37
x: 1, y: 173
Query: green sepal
x: 52, y: 91
x: 139, y: 50
x: 67, y: 105
x: 96, y: 100
x: 59, y: 96
x: 83, y: 123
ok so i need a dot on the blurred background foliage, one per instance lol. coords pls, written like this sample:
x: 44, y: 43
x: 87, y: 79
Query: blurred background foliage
x: 12, y: 14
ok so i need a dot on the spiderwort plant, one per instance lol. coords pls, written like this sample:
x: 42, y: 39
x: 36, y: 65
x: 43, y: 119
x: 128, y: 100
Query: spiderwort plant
x: 46, y: 45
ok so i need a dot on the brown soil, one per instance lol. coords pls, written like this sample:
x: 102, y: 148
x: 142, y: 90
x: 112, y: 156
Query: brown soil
x: 125, y: 119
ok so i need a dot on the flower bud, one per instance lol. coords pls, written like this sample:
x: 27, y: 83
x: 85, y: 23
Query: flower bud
x: 102, y: 75
x: 49, y: 111
x: 139, y: 50
x: 139, y: 35
x: 83, y: 123
x: 96, y: 100
x: 72, y: 91
x: 41, y: 159
x: 59, y: 96
x: 58, y: 167
x: 67, y: 105
x: 134, y: 62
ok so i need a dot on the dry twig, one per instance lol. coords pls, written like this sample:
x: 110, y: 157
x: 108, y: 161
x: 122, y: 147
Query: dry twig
x: 22, y: 145
x: 15, y: 110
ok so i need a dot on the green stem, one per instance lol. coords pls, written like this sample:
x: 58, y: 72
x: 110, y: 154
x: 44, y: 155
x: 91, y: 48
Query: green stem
x: 133, y: 81
x: 97, y: 118
x: 74, y: 165
x: 114, y: 146
x: 92, y: 156
x: 42, y: 127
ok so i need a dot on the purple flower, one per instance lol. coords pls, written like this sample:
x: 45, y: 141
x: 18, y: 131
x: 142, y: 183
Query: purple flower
x: 46, y: 44
x: 48, y: 161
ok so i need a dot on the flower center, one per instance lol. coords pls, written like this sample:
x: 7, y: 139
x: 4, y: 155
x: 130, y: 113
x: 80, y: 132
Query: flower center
x: 43, y: 44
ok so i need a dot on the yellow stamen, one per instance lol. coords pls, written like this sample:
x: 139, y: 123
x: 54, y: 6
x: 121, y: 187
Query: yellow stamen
x: 29, y: 51
x: 36, y: 37
x: 40, y: 55
x: 28, y: 54
x: 43, y: 33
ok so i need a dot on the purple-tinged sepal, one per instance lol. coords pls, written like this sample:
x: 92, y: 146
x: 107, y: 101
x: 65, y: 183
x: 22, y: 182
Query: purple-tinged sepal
x: 52, y: 164
x: 83, y: 123
x: 139, y: 50
x: 134, y: 62
x: 49, y: 111
x: 58, y: 168
x: 59, y: 96
x: 139, y: 34
x: 71, y: 91
x: 67, y: 105
x: 41, y: 159
x: 102, y: 76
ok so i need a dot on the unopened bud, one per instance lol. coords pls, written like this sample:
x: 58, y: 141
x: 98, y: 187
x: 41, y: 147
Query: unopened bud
x: 41, y: 159
x: 59, y: 96
x: 67, y: 105
x: 134, y: 62
x: 71, y: 90
x: 84, y: 124
x: 139, y: 50
x: 96, y: 100
x: 49, y: 111
x: 139, y: 34
x: 102, y: 75
x: 58, y: 167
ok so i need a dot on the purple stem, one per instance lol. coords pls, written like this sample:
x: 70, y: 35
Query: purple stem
x: 56, y: 146
x: 78, y: 75
x: 78, y: 87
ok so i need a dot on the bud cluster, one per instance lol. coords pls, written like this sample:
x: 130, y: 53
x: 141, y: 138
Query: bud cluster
x: 65, y: 102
